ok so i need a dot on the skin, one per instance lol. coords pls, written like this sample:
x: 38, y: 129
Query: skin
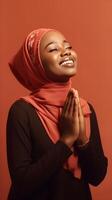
x: 54, y: 50
x: 72, y: 122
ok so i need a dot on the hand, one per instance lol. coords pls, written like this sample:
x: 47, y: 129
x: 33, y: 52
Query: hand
x: 69, y: 122
x: 72, y: 123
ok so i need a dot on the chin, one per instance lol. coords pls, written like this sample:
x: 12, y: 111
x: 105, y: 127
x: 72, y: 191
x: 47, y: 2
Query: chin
x: 68, y: 77
x: 72, y: 73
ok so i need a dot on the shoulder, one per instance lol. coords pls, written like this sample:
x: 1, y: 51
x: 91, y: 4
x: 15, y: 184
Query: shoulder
x: 20, y: 108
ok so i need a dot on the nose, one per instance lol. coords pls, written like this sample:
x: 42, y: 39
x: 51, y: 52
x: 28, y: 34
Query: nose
x: 65, y: 52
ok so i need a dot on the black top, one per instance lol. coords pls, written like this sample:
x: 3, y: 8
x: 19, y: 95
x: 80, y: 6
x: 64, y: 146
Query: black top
x: 36, y: 163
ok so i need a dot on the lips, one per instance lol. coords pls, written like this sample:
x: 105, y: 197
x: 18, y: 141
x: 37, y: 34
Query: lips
x: 67, y: 61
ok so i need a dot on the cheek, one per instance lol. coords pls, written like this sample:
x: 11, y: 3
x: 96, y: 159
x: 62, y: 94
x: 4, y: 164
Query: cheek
x: 49, y: 65
x: 50, y: 61
x: 53, y: 58
x: 52, y: 69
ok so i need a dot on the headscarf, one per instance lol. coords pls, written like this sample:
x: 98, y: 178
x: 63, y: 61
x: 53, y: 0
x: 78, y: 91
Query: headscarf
x: 47, y: 97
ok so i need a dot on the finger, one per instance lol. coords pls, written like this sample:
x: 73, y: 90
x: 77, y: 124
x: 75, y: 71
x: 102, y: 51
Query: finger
x: 75, y: 109
x: 80, y: 111
x: 66, y: 104
x: 77, y: 95
x: 76, y: 117
x: 69, y: 105
x: 81, y: 118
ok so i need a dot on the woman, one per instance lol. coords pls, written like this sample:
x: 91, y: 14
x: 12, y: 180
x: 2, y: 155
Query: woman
x: 53, y: 143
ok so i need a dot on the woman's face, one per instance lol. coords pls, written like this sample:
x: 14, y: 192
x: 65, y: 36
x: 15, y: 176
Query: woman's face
x: 58, y: 58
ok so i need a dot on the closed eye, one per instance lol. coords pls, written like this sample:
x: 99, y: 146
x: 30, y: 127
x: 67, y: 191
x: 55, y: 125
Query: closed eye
x: 55, y: 49
x: 69, y: 47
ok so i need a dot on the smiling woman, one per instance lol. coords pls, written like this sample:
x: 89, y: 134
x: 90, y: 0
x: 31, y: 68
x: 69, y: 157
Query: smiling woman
x: 53, y: 142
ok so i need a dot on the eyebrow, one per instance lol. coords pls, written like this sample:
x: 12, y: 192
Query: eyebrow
x: 53, y: 42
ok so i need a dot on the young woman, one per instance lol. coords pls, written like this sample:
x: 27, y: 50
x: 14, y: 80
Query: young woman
x: 53, y: 143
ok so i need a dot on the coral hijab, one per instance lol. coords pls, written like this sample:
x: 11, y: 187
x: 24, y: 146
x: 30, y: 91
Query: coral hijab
x: 47, y: 97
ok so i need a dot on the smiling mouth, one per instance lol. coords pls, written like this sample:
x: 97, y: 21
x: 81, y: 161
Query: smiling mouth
x: 67, y: 62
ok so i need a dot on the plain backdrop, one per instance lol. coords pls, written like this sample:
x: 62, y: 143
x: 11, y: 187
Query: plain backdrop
x: 87, y: 24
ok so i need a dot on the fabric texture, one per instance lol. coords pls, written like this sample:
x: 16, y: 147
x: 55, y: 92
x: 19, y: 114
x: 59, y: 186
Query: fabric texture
x: 46, y: 96
x: 36, y: 163
x: 26, y: 64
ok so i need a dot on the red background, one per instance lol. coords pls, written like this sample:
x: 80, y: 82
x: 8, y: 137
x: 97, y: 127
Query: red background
x: 88, y: 26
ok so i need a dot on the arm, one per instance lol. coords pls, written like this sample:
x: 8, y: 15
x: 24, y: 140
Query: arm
x: 29, y: 176
x: 91, y: 156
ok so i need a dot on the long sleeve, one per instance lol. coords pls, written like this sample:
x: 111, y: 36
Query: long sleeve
x: 27, y: 174
x: 92, y: 159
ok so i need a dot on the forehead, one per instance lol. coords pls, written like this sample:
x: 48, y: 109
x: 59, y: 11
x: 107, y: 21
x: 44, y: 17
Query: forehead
x: 52, y: 36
